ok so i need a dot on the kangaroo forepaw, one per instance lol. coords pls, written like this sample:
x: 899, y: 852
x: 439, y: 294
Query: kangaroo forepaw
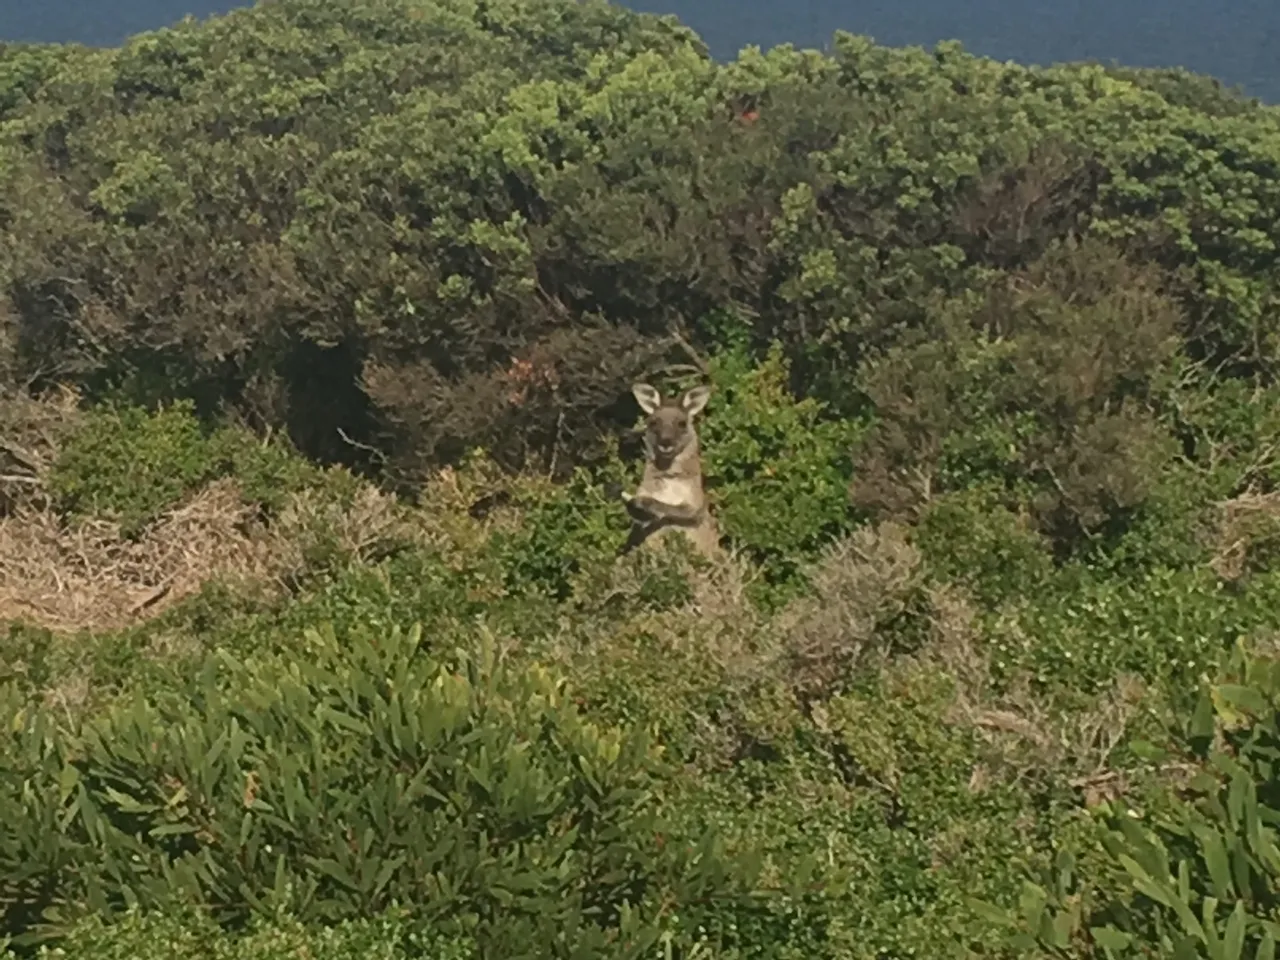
x: 643, y: 509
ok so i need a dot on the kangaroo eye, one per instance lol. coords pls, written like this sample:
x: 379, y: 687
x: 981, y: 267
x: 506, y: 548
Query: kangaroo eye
x: 682, y: 423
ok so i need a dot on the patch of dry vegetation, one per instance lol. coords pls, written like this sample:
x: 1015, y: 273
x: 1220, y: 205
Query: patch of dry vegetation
x: 73, y: 573
x: 1023, y: 735
x: 862, y: 581
x: 317, y: 529
x: 32, y: 430
x: 1248, y: 534
x: 758, y: 675
x: 84, y: 574
x: 87, y: 576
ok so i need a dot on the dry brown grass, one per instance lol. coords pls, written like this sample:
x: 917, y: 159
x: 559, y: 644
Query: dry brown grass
x: 861, y: 581
x: 31, y: 433
x: 85, y: 575
x: 710, y: 667
x: 752, y: 675
x: 1247, y: 525
x: 314, y: 526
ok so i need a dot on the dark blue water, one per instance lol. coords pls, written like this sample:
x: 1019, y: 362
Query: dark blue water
x: 1237, y: 41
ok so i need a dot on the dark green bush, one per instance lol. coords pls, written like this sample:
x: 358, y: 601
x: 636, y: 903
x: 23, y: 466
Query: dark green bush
x: 554, y: 196
x: 1047, y: 386
x: 268, y: 471
x: 972, y: 538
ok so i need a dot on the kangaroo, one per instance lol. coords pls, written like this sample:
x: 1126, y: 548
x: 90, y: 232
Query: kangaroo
x: 670, y: 495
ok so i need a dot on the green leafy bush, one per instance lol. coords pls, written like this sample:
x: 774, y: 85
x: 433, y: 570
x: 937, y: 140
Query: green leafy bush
x: 131, y: 464
x: 363, y: 774
x: 1195, y: 877
x: 972, y: 538
x: 777, y: 467
x: 569, y: 164
x: 127, y: 463
x: 1083, y: 630
x: 564, y: 533
x: 267, y: 472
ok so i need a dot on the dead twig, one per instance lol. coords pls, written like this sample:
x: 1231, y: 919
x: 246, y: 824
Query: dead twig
x: 699, y: 362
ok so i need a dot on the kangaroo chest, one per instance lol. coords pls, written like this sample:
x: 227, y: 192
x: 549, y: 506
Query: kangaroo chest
x: 672, y: 490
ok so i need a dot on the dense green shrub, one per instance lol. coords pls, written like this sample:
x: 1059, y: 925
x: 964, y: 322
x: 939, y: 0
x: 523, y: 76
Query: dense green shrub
x: 1195, y: 878
x: 970, y: 537
x: 24, y: 68
x: 1048, y: 385
x: 1167, y: 627
x: 126, y: 463
x: 194, y: 213
x: 777, y: 467
x: 365, y: 774
x: 130, y: 464
x: 570, y: 531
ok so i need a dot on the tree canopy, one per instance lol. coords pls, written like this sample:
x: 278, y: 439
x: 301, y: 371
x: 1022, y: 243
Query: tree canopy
x: 375, y: 217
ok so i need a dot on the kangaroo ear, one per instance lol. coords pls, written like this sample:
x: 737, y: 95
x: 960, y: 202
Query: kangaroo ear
x: 695, y: 400
x: 648, y: 398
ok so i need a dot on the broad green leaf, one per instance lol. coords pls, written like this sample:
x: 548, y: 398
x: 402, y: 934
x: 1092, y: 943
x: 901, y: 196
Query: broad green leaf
x: 1233, y: 940
x: 1235, y: 703
x: 1215, y: 858
x: 1110, y: 939
x: 1201, y: 728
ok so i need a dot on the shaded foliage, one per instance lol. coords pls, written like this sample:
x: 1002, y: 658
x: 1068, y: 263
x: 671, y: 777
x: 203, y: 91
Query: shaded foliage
x: 1049, y: 385
x: 419, y: 225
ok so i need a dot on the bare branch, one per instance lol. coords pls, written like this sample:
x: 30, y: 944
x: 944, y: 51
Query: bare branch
x: 699, y: 361
x: 358, y: 445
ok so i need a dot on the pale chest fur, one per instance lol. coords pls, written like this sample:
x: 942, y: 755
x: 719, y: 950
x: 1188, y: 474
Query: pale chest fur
x: 675, y: 490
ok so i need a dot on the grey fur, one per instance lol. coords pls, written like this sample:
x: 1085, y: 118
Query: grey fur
x: 670, y: 496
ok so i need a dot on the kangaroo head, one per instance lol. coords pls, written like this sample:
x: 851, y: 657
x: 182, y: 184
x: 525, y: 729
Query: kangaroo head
x: 669, y: 429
